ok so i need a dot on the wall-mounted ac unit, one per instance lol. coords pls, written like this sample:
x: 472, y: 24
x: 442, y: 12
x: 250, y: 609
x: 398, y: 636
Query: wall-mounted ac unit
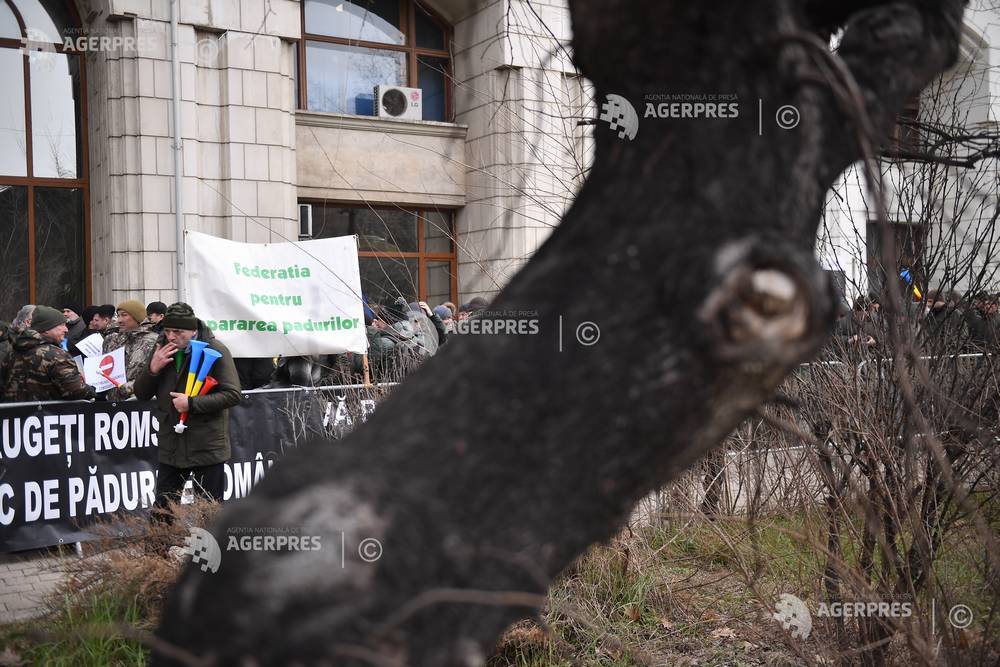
x: 399, y: 102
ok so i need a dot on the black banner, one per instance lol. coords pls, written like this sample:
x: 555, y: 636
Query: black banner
x: 65, y: 466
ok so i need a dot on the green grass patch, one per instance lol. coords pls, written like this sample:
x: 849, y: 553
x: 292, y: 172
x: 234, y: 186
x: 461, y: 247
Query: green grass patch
x: 85, y: 633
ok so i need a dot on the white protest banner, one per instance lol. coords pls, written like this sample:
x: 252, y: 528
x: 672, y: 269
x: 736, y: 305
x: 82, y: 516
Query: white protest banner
x: 105, y: 371
x: 267, y: 299
x: 91, y: 346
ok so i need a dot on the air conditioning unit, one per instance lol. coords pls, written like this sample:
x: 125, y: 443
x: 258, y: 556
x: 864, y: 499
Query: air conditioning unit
x: 399, y: 102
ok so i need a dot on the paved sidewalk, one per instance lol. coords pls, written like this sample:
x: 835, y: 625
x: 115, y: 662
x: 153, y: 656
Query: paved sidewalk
x: 25, y: 578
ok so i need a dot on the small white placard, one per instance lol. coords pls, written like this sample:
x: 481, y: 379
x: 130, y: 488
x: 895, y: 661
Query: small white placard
x: 105, y: 371
x: 91, y: 346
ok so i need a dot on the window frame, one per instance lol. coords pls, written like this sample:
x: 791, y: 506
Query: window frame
x: 408, y: 17
x: 30, y: 181
x: 905, y: 138
x: 421, y: 254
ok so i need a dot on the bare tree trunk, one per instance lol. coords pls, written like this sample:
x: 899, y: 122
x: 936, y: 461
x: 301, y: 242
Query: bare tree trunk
x: 702, y: 230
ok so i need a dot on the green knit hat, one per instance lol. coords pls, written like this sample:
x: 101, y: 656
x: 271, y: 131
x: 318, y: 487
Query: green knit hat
x: 133, y: 308
x: 180, y: 316
x: 45, y: 318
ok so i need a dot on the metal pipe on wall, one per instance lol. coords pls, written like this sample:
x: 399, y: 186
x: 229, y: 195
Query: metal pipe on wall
x: 175, y: 113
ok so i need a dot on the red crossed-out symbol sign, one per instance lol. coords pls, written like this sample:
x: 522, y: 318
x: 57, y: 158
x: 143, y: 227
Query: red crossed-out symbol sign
x: 107, y: 365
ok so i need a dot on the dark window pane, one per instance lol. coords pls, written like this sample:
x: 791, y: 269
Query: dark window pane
x: 437, y: 231
x: 366, y: 20
x: 343, y: 78
x: 432, y: 79
x: 59, y: 246
x: 429, y: 34
x: 438, y: 285
x: 383, y: 279
x: 55, y: 116
x: 379, y: 230
x: 13, y: 250
x: 13, y: 149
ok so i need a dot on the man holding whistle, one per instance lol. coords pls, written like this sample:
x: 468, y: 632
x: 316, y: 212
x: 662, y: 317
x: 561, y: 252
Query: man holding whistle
x: 198, y: 444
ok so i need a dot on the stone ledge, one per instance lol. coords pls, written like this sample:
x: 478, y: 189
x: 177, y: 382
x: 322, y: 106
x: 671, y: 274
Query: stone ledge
x: 342, y: 121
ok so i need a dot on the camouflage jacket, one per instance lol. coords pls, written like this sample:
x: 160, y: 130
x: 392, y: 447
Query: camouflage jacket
x: 6, y: 340
x: 39, y: 370
x: 139, y: 345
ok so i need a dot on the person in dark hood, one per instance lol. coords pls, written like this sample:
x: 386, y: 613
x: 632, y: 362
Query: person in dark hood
x: 155, y: 312
x: 203, y: 447
x: 74, y: 322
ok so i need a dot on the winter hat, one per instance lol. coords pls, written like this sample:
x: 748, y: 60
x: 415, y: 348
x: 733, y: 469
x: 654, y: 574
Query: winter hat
x: 394, y: 312
x: 75, y: 307
x: 180, y: 316
x: 46, y: 318
x: 444, y: 312
x: 88, y: 314
x: 156, y: 308
x: 133, y: 308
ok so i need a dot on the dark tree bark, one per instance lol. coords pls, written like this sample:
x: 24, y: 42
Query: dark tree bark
x: 504, y: 458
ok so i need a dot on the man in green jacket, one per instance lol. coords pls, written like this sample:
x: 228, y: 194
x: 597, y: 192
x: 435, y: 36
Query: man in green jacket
x: 203, y: 448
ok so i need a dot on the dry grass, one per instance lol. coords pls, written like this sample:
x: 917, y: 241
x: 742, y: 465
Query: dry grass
x: 105, y: 611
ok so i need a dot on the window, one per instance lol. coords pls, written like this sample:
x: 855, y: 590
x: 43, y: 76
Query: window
x: 905, y: 137
x: 351, y: 46
x: 401, y: 252
x: 43, y: 174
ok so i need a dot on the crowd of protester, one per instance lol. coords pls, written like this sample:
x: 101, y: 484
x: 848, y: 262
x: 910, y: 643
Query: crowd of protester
x: 39, y: 348
x: 944, y: 322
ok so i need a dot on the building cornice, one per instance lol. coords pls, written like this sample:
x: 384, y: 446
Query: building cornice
x: 341, y: 121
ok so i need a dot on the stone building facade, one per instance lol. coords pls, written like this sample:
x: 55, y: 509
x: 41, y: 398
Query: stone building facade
x: 275, y: 120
